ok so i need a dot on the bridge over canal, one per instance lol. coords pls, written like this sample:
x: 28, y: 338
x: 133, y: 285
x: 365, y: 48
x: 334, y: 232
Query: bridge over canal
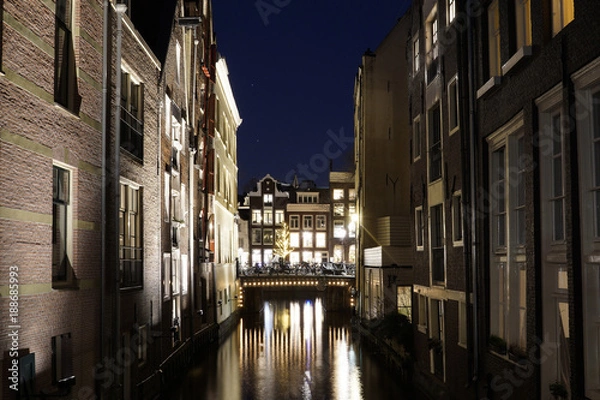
x: 336, y: 291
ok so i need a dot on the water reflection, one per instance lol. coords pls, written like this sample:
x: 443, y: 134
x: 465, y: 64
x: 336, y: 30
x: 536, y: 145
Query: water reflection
x: 291, y: 350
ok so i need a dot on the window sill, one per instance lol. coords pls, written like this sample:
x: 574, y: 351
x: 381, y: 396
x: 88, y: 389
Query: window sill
x: 522, y: 53
x: 422, y: 329
x: 457, y: 244
x: 487, y: 87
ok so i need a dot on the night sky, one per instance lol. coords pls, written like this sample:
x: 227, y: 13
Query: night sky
x: 292, y: 65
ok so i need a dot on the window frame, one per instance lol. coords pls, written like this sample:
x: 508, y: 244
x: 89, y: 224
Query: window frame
x: 457, y: 219
x: 131, y: 245
x: 256, y: 238
x: 437, y: 244
x: 307, y: 222
x: 494, y: 40
x: 321, y: 222
x: 419, y: 228
x: 416, y: 43
x: 559, y: 18
x: 453, y: 105
x: 66, y: 203
x: 434, y: 143
x: 65, y: 68
x: 295, y: 221
x: 417, y: 138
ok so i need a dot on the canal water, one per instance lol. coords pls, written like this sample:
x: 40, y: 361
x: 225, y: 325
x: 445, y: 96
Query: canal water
x: 292, y: 349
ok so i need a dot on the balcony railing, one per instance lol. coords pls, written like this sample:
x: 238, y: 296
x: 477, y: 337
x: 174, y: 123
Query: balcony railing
x: 131, y: 267
x: 132, y: 134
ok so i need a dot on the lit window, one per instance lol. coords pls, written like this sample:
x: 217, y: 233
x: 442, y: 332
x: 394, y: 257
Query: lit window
x: 351, y: 194
x: 307, y: 239
x: 338, y: 194
x: 432, y: 46
x: 268, y: 200
x: 307, y: 222
x: 65, y: 82
x: 453, y: 106
x: 279, y: 217
x: 321, y: 221
x: 493, y: 15
x: 338, y: 230
x: 294, y: 221
x: 61, y: 224
x: 563, y: 12
x: 307, y: 256
x: 417, y: 138
x: 294, y: 239
x: 338, y: 209
x: 176, y: 275
x: 256, y: 217
x: 321, y: 239
x: 435, y: 144
x: 557, y: 196
x: 523, y: 23
x: 404, y: 301
x: 451, y: 10
x: 130, y: 237
x: 294, y: 257
x: 166, y: 276
x: 268, y: 217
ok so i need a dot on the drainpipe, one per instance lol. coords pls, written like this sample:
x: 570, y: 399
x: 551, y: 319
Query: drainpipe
x: 120, y: 9
x: 105, y: 130
x: 472, y: 197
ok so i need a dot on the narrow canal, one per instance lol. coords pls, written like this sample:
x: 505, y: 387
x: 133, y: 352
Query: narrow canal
x: 292, y: 349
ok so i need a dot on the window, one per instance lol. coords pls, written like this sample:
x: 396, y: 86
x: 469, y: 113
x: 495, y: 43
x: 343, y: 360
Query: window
x: 256, y: 236
x: 307, y: 256
x: 338, y: 230
x: 307, y: 222
x: 351, y: 194
x: 404, y: 301
x: 416, y: 54
x: 321, y: 221
x: 352, y: 229
x: 307, y: 239
x: 422, y: 316
x: 294, y: 221
x: 321, y: 239
x: 167, y: 196
x: 268, y: 236
x: 166, y: 276
x: 338, y: 194
x: 419, y: 228
x: 177, y: 62
x: 268, y: 200
x: 309, y: 198
x: 64, y: 56
x: 184, y: 274
x: 279, y: 217
x: 437, y: 244
x: 432, y: 46
x: 62, y: 358
x: 176, y: 275
x: 130, y: 237
x: 417, y: 138
x: 295, y: 239
x: 435, y: 144
x: 453, y: 106
x: 493, y: 15
x: 563, y: 12
x: 61, y: 224
x: 294, y: 257
x: 557, y: 197
x: 338, y: 209
x: 142, y: 344
x: 523, y: 23
x: 132, y: 106
x: 507, y: 258
x: 451, y: 10
x: 457, y: 219
x: 256, y: 217
x: 268, y: 217
x: 338, y: 253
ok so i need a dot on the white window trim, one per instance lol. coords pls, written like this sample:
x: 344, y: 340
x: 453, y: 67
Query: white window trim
x: 454, y: 81
x: 419, y: 226
x: 416, y: 66
x: 70, y: 207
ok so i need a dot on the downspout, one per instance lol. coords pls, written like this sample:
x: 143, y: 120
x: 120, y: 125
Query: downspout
x: 105, y: 129
x: 120, y: 10
x: 472, y: 199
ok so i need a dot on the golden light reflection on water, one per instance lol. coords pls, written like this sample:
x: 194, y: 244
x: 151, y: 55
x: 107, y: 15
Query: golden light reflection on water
x: 292, y: 354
